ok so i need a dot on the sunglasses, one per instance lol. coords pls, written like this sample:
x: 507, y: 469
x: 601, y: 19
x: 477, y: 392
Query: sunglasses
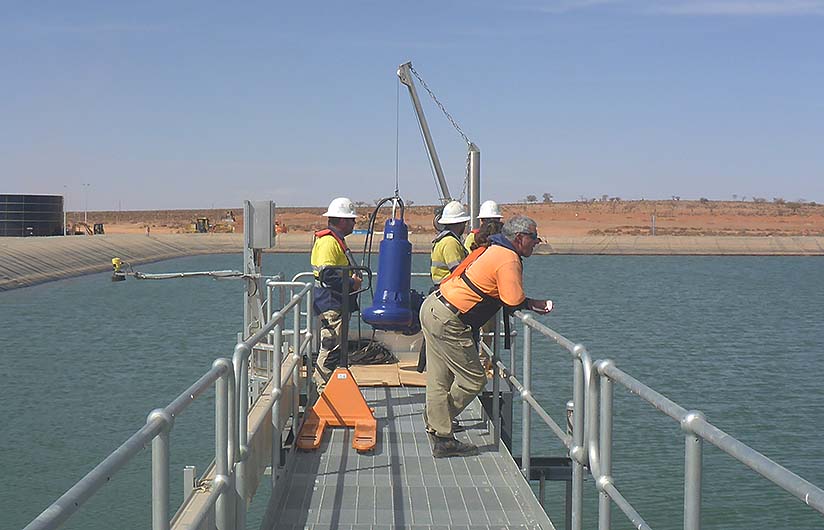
x: 533, y: 236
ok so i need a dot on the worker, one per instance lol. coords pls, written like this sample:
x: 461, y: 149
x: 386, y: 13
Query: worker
x: 328, y: 252
x: 489, y: 213
x: 447, y: 249
x: 447, y: 253
x: 490, y: 278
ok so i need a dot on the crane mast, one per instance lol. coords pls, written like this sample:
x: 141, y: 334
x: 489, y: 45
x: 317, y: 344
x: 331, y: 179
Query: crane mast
x: 474, y: 155
x: 405, y: 75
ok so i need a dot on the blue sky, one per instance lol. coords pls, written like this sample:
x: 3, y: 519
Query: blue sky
x: 199, y: 104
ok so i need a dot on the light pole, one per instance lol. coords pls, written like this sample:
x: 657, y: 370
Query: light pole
x: 65, y: 206
x: 86, y: 205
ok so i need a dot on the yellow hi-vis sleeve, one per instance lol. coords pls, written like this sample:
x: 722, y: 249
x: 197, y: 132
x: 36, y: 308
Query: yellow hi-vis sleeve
x: 326, y: 252
x: 447, y: 254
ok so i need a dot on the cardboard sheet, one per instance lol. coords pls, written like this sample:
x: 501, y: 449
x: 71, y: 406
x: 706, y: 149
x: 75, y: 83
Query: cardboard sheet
x: 398, y: 374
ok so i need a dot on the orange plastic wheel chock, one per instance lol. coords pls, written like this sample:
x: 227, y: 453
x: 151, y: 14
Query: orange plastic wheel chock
x: 340, y: 405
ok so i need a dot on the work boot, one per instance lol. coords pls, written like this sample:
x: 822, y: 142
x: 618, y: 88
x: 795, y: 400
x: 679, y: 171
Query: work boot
x: 446, y: 447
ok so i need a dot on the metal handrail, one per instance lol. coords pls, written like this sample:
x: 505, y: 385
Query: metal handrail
x: 696, y: 430
x: 592, y: 436
x: 240, y: 360
x: 576, y: 443
x: 156, y: 430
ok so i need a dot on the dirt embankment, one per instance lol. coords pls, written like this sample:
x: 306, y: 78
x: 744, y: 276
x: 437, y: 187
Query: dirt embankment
x: 570, y: 219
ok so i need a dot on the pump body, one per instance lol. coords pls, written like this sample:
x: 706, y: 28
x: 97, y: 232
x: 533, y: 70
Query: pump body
x: 390, y: 308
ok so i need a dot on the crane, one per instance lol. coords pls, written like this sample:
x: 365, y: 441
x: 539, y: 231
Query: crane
x: 405, y: 72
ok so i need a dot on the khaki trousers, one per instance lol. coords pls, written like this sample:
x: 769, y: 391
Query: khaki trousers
x: 454, y: 375
x: 330, y: 324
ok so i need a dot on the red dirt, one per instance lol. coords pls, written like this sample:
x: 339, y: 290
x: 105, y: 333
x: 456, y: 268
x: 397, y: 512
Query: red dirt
x: 573, y: 219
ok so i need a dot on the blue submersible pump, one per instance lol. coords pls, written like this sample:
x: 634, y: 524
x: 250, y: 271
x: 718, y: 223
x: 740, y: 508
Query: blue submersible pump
x: 391, y: 308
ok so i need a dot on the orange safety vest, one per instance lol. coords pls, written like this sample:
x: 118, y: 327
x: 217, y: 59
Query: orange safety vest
x: 329, y: 232
x: 482, y: 311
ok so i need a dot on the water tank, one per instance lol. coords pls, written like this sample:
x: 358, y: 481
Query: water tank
x: 31, y: 215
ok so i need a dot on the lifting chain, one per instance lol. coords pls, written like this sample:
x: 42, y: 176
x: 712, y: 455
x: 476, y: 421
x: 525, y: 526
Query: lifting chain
x: 454, y: 124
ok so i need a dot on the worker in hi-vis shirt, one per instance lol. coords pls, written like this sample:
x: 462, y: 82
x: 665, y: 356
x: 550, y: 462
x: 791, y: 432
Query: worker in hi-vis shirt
x: 329, y: 251
x: 447, y: 248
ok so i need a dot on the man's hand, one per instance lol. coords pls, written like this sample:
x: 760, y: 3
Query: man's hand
x: 540, y: 306
x: 356, y: 282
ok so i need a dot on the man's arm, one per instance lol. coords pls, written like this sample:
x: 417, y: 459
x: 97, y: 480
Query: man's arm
x: 511, y: 290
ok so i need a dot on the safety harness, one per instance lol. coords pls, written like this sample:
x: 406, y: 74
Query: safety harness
x: 486, y: 300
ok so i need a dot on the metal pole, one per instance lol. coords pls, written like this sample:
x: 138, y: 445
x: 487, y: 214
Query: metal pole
x: 474, y: 184
x: 693, y: 451
x: 568, y: 483
x: 222, y: 507
x: 86, y: 203
x: 604, y: 502
x: 241, y: 358
x: 277, y: 392
x: 496, y: 385
x: 248, y: 266
x: 404, y: 72
x: 577, y: 445
x: 310, y: 321
x: 65, y: 205
x: 160, y: 473
x: 526, y: 414
x: 296, y: 370
x: 346, y: 272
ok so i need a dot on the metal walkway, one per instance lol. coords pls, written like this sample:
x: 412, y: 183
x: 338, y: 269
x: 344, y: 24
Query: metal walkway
x: 400, y: 484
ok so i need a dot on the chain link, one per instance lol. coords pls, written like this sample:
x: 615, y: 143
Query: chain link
x: 440, y: 106
x: 454, y: 124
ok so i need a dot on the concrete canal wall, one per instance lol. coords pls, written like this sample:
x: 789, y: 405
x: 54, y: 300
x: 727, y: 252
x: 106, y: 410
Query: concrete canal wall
x: 27, y: 261
x: 32, y: 260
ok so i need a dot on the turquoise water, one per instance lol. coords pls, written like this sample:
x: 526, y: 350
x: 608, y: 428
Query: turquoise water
x: 740, y: 338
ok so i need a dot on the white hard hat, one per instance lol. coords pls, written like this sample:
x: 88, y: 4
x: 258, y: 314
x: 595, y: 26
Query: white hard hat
x: 453, y: 213
x: 489, y: 210
x: 341, y: 207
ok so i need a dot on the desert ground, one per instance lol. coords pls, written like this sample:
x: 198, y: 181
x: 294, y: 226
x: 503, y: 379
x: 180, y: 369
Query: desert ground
x: 609, y: 217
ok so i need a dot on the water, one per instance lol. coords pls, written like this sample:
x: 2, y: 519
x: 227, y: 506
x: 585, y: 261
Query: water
x: 739, y: 338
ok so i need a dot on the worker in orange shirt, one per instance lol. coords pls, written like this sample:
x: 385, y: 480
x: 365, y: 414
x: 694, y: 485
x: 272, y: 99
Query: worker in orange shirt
x: 490, y: 278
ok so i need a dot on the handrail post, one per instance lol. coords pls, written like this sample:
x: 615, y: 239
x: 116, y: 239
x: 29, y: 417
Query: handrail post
x: 578, y: 438
x: 568, y: 489
x: 222, y: 507
x: 526, y: 411
x: 310, y: 321
x: 693, y: 452
x: 296, y: 370
x: 240, y: 360
x: 277, y: 392
x: 604, y: 502
x: 160, y: 471
x: 496, y: 385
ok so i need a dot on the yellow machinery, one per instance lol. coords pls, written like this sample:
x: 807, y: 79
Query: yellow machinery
x: 118, y: 275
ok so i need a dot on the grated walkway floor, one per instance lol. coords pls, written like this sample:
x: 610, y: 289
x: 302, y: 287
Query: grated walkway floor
x: 400, y: 484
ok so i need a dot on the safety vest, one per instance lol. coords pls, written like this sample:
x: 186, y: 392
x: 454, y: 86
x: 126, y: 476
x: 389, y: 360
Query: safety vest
x: 347, y: 254
x: 327, y: 256
x: 486, y: 308
x: 446, y: 255
x: 470, y: 238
